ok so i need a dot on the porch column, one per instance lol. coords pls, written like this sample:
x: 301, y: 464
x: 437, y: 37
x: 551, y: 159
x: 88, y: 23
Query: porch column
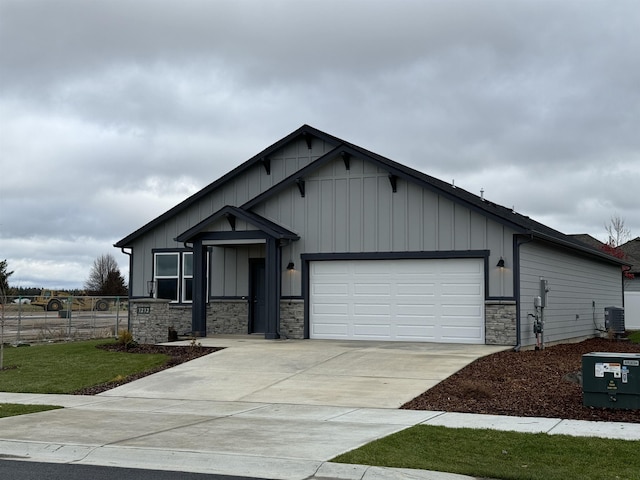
x: 272, y: 274
x: 199, y: 306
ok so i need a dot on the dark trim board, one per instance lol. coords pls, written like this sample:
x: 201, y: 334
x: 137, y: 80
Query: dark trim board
x: 430, y: 255
x: 426, y: 255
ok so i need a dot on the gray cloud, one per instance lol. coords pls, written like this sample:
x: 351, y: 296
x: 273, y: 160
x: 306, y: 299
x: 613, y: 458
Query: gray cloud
x: 111, y: 112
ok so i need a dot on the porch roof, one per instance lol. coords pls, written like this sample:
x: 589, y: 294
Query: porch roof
x: 232, y: 213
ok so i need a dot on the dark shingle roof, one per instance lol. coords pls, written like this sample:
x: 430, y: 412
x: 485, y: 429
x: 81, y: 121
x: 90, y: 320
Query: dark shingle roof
x: 632, y: 252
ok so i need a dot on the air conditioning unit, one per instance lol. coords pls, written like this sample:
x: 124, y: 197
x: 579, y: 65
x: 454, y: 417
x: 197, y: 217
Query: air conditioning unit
x: 614, y: 320
x: 611, y: 380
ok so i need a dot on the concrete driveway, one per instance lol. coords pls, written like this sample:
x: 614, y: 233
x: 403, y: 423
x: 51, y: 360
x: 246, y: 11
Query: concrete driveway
x: 308, y: 372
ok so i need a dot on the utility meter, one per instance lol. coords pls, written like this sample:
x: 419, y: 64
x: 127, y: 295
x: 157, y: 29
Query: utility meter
x: 544, y: 289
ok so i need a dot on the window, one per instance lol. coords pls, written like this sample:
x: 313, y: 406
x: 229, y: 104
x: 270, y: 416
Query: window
x: 166, y: 275
x: 173, y: 273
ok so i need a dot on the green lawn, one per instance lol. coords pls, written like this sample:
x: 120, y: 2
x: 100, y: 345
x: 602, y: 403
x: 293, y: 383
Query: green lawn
x: 502, y: 455
x: 11, y: 409
x: 67, y: 367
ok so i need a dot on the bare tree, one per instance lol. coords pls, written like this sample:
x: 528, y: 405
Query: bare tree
x: 617, y: 231
x: 104, y: 270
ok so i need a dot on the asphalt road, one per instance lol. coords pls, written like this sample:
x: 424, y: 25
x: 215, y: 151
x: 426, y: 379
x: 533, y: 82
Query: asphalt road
x: 20, y: 470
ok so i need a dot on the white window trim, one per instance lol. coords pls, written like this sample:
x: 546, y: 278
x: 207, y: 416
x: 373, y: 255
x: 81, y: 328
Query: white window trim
x: 184, y: 277
x: 180, y: 277
x: 157, y: 277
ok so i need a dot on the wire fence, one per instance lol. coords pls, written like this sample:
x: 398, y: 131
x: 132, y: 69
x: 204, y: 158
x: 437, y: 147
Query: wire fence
x: 49, y: 319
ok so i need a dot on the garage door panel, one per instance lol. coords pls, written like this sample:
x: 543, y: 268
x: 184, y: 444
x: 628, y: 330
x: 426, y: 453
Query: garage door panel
x: 371, y: 289
x: 372, y: 309
x: 417, y: 310
x: 333, y: 329
x: 459, y: 334
x: 407, y: 300
x: 330, y: 309
x: 331, y: 289
x: 469, y: 289
x: 460, y: 311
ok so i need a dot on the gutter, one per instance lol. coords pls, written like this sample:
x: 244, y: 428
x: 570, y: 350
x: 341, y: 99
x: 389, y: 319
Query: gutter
x: 516, y: 285
x: 130, y: 255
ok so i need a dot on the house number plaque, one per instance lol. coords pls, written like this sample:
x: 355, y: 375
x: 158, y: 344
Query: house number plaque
x: 144, y: 310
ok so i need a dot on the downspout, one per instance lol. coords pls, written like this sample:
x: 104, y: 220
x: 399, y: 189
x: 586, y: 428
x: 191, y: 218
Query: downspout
x: 130, y: 255
x: 516, y: 286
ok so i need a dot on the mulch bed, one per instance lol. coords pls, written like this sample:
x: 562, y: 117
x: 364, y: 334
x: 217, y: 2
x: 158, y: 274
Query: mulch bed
x: 177, y: 355
x: 527, y: 383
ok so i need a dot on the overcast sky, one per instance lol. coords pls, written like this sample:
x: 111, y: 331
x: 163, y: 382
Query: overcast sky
x: 113, y: 111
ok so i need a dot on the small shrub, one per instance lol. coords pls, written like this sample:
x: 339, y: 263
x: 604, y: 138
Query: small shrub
x: 194, y: 343
x: 125, y: 337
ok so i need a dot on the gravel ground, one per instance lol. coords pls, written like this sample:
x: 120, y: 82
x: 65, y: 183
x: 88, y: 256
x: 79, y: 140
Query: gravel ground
x: 526, y: 383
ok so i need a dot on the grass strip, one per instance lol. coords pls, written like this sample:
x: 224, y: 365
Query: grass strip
x: 502, y: 455
x: 64, y: 368
x: 13, y: 409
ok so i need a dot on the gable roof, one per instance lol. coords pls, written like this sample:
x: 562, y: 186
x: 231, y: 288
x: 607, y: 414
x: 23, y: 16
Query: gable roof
x: 231, y: 213
x: 304, y: 131
x: 518, y: 222
x: 632, y: 252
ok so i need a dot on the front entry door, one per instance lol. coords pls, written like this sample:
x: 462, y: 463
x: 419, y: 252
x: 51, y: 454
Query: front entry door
x: 257, y: 296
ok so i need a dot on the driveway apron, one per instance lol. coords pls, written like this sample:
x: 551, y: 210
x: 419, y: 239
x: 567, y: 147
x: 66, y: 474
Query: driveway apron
x: 309, y: 372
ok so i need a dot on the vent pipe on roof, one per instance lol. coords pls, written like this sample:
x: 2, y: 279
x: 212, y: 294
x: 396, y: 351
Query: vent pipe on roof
x: 482, y: 194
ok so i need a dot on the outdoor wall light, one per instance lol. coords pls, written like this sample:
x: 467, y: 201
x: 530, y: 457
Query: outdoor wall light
x: 290, y: 266
x: 500, y: 263
x: 151, y: 287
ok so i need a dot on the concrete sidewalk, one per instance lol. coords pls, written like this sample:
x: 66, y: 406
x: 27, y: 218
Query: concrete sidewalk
x: 279, y: 441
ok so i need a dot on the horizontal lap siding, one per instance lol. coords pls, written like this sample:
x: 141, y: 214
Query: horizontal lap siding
x: 575, y: 282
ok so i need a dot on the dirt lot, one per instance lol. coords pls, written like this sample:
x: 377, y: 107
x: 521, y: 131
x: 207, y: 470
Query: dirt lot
x: 527, y: 383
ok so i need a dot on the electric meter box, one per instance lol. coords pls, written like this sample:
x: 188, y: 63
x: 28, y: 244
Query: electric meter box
x: 611, y: 380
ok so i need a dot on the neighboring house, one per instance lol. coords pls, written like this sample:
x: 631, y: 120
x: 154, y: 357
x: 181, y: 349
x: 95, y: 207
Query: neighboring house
x: 632, y: 285
x: 632, y: 256
x: 315, y: 237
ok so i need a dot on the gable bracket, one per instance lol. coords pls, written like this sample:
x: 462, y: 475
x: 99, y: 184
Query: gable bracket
x: 307, y: 138
x: 232, y: 220
x: 346, y: 157
x: 393, y: 180
x: 300, y: 183
x: 266, y: 163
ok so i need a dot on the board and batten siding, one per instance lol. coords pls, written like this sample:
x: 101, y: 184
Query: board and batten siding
x: 575, y: 283
x: 244, y: 186
x: 356, y: 210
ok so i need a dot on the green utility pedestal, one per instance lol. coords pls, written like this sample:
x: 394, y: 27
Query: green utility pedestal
x: 611, y: 380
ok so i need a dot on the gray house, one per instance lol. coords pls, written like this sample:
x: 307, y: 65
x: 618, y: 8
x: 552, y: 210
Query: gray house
x: 315, y: 237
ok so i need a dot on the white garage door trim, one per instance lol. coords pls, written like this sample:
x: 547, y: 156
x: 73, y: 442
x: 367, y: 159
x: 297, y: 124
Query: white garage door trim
x: 429, y: 300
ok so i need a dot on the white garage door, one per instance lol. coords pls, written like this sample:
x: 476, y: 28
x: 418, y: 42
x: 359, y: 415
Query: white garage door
x: 398, y: 300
